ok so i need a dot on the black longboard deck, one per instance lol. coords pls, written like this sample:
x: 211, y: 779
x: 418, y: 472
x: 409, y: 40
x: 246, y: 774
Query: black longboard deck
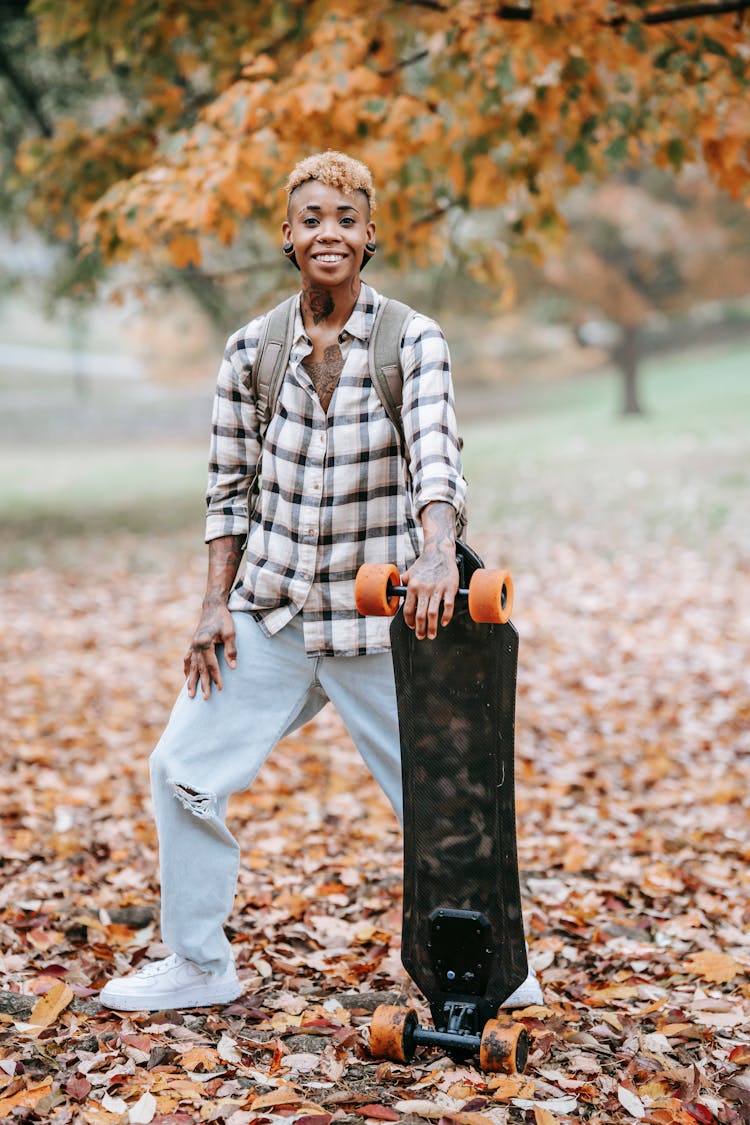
x: 462, y: 937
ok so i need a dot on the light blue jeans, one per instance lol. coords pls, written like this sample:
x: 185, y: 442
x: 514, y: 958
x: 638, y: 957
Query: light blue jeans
x: 213, y: 748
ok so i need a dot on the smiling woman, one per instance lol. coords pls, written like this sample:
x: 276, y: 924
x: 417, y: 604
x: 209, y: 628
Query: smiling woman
x: 339, y: 484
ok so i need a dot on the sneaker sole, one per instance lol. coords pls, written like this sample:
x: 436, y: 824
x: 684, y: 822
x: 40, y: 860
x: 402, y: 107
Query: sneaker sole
x: 199, y: 998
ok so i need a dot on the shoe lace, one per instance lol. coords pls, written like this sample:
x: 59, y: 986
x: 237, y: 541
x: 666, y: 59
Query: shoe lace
x: 155, y: 967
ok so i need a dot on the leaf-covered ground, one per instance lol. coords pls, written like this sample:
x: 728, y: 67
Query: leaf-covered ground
x: 633, y: 771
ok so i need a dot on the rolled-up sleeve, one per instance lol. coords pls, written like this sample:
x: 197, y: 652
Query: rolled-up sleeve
x: 235, y: 441
x: 429, y: 417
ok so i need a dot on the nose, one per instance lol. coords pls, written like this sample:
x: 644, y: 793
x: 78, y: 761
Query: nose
x: 328, y: 231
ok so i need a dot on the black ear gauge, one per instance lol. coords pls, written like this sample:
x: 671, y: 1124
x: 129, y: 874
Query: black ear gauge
x: 370, y: 248
x: 288, y: 251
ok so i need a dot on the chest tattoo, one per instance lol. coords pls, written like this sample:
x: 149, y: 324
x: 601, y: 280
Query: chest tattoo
x: 325, y: 373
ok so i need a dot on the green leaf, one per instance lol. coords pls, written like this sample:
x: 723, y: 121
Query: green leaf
x: 621, y: 112
x: 676, y: 152
x: 635, y: 38
x: 739, y: 68
x: 618, y: 150
x: 527, y: 123
x: 575, y: 68
x: 504, y: 75
x: 663, y: 59
x: 714, y: 47
x: 578, y: 156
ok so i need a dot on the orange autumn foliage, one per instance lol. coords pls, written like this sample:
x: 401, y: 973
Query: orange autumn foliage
x: 468, y: 105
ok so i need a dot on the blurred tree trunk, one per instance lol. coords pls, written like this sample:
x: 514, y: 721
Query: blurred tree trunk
x: 627, y: 356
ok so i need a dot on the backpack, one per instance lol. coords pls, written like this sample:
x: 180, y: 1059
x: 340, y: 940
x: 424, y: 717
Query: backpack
x: 383, y: 362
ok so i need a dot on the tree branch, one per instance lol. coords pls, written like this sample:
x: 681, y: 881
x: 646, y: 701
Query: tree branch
x: 27, y: 97
x: 665, y: 15
x: 403, y: 64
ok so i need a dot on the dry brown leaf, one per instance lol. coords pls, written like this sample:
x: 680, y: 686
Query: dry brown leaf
x: 543, y: 1116
x: 200, y: 1059
x: 29, y: 1096
x: 48, y: 1007
x: 285, y: 1095
x: 505, y: 1087
x: 712, y: 965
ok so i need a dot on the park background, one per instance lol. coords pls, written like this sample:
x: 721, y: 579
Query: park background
x: 566, y: 191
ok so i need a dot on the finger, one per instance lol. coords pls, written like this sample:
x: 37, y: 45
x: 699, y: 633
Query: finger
x: 421, y: 617
x: 212, y: 669
x: 410, y: 606
x: 205, y: 678
x: 449, y: 604
x: 230, y: 647
x: 433, y: 609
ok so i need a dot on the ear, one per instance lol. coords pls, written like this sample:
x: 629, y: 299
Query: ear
x: 371, y: 231
x: 286, y: 231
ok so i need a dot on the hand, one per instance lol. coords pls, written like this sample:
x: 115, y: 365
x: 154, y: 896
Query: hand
x: 432, y: 580
x: 201, y: 663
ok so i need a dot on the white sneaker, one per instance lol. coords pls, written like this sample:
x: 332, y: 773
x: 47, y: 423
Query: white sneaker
x: 174, y: 982
x: 527, y: 993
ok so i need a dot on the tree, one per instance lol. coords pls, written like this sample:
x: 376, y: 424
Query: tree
x: 647, y: 247
x: 456, y: 105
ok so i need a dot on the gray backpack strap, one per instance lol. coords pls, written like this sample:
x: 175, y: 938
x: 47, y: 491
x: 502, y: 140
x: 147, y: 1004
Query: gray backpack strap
x: 384, y: 356
x: 272, y: 358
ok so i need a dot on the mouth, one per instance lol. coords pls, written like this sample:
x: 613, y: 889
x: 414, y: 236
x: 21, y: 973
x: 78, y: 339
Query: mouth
x: 329, y: 259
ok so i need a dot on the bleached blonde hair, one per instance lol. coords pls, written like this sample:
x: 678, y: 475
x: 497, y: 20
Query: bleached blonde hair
x: 337, y: 171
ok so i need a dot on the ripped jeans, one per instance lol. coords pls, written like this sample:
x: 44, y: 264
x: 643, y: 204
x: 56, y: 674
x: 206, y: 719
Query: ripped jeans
x: 213, y: 748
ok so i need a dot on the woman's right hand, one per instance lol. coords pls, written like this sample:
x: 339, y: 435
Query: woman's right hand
x: 201, y: 664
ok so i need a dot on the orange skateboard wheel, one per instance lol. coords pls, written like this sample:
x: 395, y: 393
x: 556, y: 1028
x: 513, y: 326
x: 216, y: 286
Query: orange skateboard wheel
x: 490, y: 596
x: 371, y: 589
x: 391, y: 1033
x: 504, y: 1047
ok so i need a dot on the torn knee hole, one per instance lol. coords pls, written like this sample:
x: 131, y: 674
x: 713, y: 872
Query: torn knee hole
x: 200, y: 804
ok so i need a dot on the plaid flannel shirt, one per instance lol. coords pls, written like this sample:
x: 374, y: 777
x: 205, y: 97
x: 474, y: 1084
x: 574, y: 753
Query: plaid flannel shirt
x: 335, y: 488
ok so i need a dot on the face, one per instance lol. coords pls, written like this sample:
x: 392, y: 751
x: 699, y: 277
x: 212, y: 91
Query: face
x: 329, y: 229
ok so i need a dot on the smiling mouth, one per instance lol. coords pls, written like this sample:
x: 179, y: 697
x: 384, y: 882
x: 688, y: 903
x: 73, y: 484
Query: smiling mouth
x: 329, y: 259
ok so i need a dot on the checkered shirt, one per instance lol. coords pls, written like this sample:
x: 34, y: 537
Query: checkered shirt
x: 335, y: 488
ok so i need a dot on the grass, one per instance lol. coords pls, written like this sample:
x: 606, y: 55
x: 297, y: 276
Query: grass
x: 569, y: 463
x: 562, y: 461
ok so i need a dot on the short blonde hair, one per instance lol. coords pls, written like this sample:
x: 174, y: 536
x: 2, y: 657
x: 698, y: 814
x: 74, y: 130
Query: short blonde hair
x: 337, y: 171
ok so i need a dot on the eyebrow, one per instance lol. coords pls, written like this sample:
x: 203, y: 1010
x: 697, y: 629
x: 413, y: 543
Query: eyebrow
x: 317, y: 207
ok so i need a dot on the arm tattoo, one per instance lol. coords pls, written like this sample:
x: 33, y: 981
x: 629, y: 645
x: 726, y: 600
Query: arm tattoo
x: 224, y: 555
x: 325, y: 375
x: 439, y: 523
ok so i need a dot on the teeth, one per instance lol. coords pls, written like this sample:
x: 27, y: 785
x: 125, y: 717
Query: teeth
x: 329, y: 257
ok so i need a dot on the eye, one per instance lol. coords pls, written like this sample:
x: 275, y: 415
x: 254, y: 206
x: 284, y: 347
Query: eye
x: 348, y: 220
x: 310, y: 221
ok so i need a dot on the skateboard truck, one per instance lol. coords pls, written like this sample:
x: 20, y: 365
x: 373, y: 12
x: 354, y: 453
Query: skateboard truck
x: 461, y: 954
x: 395, y: 1033
x: 378, y: 592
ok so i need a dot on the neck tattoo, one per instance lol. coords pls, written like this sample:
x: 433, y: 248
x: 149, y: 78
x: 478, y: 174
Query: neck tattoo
x: 320, y: 303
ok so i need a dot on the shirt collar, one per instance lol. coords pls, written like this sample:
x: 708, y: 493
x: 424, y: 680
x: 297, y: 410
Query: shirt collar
x: 359, y: 323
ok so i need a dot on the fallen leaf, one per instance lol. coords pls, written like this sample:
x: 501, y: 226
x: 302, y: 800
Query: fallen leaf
x: 631, y: 1102
x: 712, y: 965
x: 142, y: 1113
x: 543, y: 1116
x: 48, y: 1007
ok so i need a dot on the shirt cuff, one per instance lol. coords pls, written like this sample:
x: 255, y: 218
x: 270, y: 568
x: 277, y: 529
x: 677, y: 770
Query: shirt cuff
x: 220, y: 525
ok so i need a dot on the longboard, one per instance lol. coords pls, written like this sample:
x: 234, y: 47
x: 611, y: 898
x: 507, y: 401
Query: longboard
x: 462, y: 935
